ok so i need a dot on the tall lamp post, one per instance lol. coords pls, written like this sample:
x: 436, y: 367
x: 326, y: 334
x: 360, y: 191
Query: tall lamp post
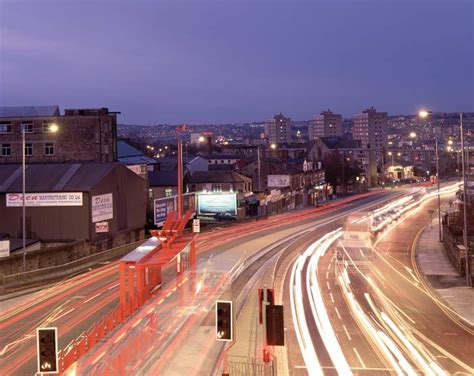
x: 424, y: 114
x: 53, y: 128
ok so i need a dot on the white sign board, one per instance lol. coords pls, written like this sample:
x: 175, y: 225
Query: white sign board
x: 213, y: 203
x: 102, y: 207
x: 4, y: 248
x: 196, y: 225
x: 278, y: 181
x: 45, y: 199
x: 102, y: 227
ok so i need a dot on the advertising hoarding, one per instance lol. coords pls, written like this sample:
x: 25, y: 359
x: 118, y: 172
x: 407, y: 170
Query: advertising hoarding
x: 44, y: 199
x: 213, y: 203
x: 102, y: 207
x: 278, y: 181
x: 102, y: 227
x: 163, y: 206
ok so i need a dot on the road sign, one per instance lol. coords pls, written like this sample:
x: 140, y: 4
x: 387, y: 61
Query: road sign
x: 196, y: 225
x: 275, y: 325
x: 224, y: 321
x: 47, y: 347
x: 4, y: 248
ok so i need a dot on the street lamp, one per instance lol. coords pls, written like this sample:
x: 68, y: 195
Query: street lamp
x: 412, y: 135
x: 53, y: 128
x: 273, y: 146
x: 424, y: 114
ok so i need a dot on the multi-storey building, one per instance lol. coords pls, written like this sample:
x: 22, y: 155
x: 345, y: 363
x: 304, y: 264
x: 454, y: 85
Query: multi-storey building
x: 81, y: 135
x: 326, y: 124
x: 370, y: 128
x: 278, y: 129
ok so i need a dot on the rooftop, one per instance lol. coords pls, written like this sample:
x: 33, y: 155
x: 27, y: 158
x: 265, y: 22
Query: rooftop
x: 128, y: 154
x: 54, y: 177
x: 203, y: 177
x: 29, y: 111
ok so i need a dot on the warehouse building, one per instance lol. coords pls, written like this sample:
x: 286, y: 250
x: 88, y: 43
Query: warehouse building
x: 66, y: 202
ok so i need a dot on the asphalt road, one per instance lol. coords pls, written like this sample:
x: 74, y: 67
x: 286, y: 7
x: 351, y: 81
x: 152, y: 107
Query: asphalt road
x: 73, y: 305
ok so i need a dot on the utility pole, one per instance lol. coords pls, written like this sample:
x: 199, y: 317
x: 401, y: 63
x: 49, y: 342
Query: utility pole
x: 464, y: 235
x: 439, y: 198
x: 23, y: 145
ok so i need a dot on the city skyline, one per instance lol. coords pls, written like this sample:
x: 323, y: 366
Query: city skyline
x: 200, y: 63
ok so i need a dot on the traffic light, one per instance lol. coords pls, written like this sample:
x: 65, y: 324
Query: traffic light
x: 224, y: 321
x: 47, y: 345
x: 275, y: 325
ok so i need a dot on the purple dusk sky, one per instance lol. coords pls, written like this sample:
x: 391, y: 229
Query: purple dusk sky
x: 235, y: 60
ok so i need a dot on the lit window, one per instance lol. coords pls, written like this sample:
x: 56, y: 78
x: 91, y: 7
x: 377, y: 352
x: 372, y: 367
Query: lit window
x: 49, y: 149
x: 5, y: 127
x: 28, y: 150
x: 168, y: 192
x: 6, y: 150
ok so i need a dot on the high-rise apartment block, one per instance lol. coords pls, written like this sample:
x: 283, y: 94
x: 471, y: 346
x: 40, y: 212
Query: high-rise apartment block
x: 278, y: 129
x: 370, y: 128
x: 326, y: 124
x: 81, y: 135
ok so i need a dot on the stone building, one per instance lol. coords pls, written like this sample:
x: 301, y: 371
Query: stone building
x: 82, y: 135
x: 326, y: 124
x: 278, y: 129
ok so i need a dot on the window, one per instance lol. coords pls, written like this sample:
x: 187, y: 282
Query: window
x: 217, y: 188
x: 27, y: 126
x: 5, y: 127
x: 28, y: 150
x: 168, y: 192
x: 46, y: 126
x: 49, y: 149
x: 6, y: 150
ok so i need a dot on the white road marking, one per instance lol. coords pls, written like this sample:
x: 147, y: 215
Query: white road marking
x: 347, y: 333
x: 329, y: 287
x: 337, y: 313
x: 92, y: 297
x: 358, y: 357
x: 332, y: 298
x: 113, y: 286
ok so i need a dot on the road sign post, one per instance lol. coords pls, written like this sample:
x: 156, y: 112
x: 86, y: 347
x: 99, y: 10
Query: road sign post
x: 47, y: 347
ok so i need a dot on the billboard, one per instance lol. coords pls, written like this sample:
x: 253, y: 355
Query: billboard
x: 213, y: 203
x: 163, y: 206
x: 44, y: 199
x: 278, y: 181
x: 102, y: 207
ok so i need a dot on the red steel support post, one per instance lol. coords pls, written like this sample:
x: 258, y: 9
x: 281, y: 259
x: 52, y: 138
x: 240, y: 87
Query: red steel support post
x: 131, y: 289
x: 180, y: 178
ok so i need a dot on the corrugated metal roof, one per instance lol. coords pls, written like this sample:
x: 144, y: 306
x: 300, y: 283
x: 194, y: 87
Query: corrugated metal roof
x: 127, y: 154
x: 55, y: 177
x: 29, y: 111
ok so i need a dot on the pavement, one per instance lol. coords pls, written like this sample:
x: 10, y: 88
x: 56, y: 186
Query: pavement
x: 442, y: 276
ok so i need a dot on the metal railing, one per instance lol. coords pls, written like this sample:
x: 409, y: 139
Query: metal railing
x: 246, y: 366
x: 57, y: 271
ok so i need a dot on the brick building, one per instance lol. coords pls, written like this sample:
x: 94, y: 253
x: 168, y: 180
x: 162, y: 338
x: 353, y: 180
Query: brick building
x: 83, y: 135
x: 278, y: 129
x: 326, y: 124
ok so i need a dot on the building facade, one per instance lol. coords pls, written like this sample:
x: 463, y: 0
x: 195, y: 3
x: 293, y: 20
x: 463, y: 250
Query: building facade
x: 370, y: 128
x: 278, y: 129
x: 82, y: 135
x: 326, y: 124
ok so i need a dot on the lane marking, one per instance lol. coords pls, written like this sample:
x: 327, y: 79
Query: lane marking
x: 347, y: 333
x: 337, y: 313
x: 359, y: 358
x: 332, y: 298
x: 114, y: 286
x: 93, y: 297
x: 329, y: 287
x: 119, y: 337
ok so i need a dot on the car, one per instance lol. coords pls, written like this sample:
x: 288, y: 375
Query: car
x: 225, y: 216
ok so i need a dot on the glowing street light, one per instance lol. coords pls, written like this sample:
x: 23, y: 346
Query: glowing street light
x: 424, y: 113
x: 201, y: 139
x: 412, y: 135
x: 53, y: 128
x: 273, y: 146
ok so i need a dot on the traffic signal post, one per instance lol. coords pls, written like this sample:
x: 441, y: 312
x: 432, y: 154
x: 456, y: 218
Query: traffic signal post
x: 47, y: 347
x: 225, y: 327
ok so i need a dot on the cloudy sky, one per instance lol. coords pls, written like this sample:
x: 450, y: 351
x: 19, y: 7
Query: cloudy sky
x: 237, y: 60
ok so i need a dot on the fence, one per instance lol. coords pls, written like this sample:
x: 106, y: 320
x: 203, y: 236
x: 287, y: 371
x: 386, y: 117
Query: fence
x: 246, y: 366
x: 55, y: 272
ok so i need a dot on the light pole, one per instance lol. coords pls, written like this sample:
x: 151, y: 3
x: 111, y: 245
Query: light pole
x: 424, y: 114
x: 464, y: 235
x: 53, y: 128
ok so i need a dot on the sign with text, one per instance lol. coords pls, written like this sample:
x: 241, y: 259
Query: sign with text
x: 196, y: 225
x: 4, y: 248
x: 44, y: 199
x: 163, y: 206
x: 213, y: 203
x: 278, y: 181
x: 102, y: 227
x: 102, y: 207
